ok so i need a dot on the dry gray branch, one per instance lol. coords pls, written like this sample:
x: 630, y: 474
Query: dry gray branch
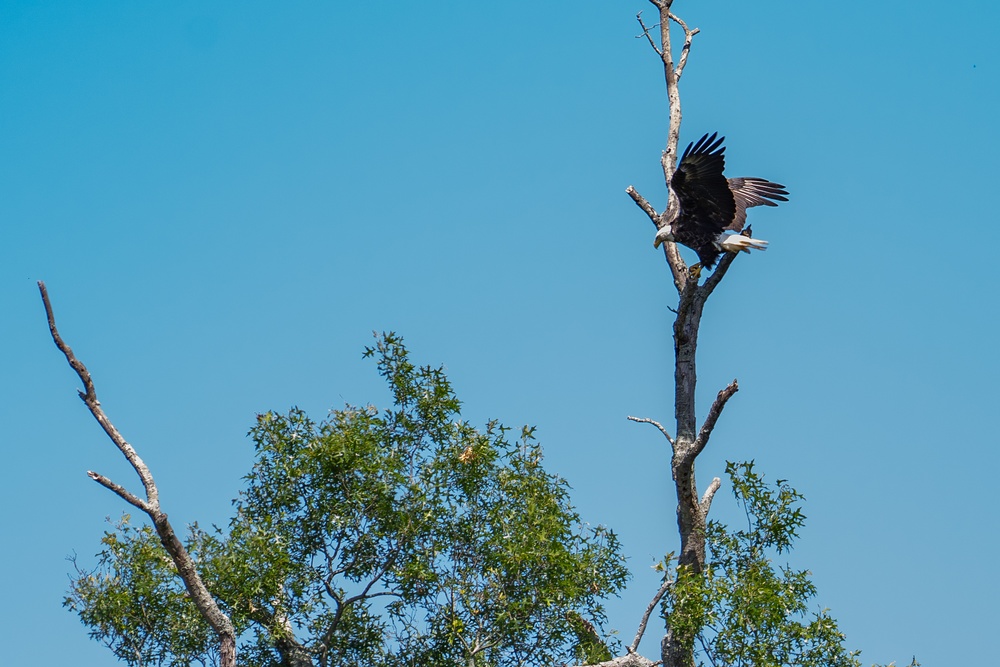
x: 713, y: 415
x: 643, y: 420
x: 124, y: 493
x: 196, y: 588
x: 669, y: 158
x: 90, y: 398
x: 672, y: 255
x: 634, y: 646
x: 706, y: 500
x: 718, y: 274
x: 644, y: 205
x: 686, y: 49
x: 645, y: 33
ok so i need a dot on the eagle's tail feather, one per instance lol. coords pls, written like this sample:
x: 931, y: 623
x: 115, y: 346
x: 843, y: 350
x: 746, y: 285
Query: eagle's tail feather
x: 740, y: 243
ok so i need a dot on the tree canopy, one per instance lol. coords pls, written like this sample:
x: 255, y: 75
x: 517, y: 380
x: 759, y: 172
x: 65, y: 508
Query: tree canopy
x: 395, y: 536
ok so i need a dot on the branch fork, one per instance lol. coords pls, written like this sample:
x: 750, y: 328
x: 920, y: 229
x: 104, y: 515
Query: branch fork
x: 196, y: 588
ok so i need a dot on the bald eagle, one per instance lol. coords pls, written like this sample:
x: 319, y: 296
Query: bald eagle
x: 713, y: 208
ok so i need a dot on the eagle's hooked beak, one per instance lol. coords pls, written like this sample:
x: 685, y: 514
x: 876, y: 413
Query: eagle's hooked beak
x: 663, y: 235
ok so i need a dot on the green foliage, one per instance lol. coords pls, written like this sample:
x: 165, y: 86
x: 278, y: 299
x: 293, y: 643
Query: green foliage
x: 404, y: 536
x: 136, y: 604
x: 744, y: 610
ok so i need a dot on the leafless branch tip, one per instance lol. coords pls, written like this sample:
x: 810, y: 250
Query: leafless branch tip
x: 713, y: 415
x: 642, y: 203
x: 645, y: 33
x: 706, y: 500
x: 686, y: 49
x: 644, y: 420
x: 121, y: 491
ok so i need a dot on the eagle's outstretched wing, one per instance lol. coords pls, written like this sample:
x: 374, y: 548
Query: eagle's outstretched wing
x: 707, y: 202
x: 749, y: 192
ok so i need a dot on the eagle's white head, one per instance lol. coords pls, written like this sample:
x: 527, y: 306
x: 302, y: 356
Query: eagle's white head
x: 663, y: 234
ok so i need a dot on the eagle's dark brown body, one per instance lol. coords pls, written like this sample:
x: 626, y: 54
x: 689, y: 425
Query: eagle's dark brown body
x: 711, y: 204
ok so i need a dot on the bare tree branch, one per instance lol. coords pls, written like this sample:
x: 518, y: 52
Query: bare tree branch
x: 686, y: 49
x: 634, y: 646
x: 644, y: 205
x: 668, y: 159
x: 196, y: 588
x: 124, y: 493
x: 673, y: 257
x: 718, y: 274
x: 643, y: 420
x: 713, y: 415
x: 706, y: 500
x: 669, y: 156
x: 90, y: 398
x: 645, y: 33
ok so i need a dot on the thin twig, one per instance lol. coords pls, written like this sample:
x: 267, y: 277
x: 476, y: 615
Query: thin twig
x: 186, y: 568
x: 705, y: 648
x: 713, y: 415
x: 645, y: 617
x: 643, y: 420
x: 645, y: 33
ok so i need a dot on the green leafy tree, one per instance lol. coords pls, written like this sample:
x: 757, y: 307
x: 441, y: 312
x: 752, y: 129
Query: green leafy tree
x: 135, y: 603
x: 745, y: 610
x: 404, y: 536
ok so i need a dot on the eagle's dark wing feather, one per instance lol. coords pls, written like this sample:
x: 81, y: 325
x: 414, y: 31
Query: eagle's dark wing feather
x: 707, y: 203
x: 750, y: 192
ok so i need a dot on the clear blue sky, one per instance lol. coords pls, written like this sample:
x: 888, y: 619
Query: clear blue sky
x: 225, y: 199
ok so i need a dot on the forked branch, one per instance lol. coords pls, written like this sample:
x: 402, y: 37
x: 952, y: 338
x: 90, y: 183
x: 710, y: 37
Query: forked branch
x: 672, y: 74
x: 89, y: 397
x: 196, y: 588
x: 686, y: 49
x: 645, y: 33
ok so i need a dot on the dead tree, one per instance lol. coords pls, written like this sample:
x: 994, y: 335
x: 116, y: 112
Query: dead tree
x: 186, y: 568
x: 689, y: 440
